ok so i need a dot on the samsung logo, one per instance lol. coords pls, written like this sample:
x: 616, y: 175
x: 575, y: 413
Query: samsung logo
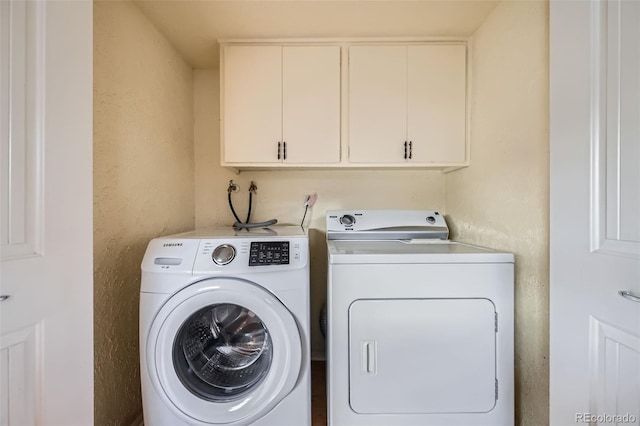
x: 172, y: 245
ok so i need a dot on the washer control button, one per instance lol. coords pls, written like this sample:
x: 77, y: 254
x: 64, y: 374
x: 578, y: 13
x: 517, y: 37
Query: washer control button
x: 347, y: 220
x: 431, y: 219
x: 223, y: 254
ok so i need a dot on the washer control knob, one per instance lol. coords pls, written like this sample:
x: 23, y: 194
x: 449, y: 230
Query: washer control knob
x: 347, y: 220
x: 223, y: 254
x: 431, y: 219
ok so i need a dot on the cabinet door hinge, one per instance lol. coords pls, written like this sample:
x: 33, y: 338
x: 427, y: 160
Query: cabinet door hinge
x: 496, y: 322
x: 496, y: 389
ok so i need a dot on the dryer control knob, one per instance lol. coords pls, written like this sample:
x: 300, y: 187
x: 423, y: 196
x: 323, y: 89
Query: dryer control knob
x: 223, y: 254
x: 347, y: 220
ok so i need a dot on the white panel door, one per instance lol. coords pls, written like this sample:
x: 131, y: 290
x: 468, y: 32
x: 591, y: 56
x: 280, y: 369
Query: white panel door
x: 595, y: 212
x: 377, y: 104
x: 311, y: 104
x: 46, y: 258
x: 437, y: 103
x: 422, y: 356
x: 252, y: 104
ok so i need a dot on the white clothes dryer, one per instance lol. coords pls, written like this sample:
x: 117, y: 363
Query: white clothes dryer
x: 224, y: 328
x: 420, y: 329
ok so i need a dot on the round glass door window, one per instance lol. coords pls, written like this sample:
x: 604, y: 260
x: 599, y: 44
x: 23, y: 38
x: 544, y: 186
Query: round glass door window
x: 222, y: 352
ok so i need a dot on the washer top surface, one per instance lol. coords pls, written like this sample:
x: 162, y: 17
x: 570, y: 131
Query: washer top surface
x: 287, y: 231
x: 412, y: 251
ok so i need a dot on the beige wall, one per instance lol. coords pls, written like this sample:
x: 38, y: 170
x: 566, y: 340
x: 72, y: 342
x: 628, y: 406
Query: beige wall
x: 281, y: 193
x: 502, y: 199
x: 143, y: 185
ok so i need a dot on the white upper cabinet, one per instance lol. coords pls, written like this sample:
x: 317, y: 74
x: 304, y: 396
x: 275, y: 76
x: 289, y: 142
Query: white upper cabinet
x: 407, y: 104
x: 311, y: 103
x: 252, y: 104
x: 377, y: 103
x: 295, y: 103
x: 281, y: 105
x: 437, y: 107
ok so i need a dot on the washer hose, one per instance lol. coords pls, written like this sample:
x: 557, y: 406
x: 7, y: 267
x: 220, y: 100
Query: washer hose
x: 232, y: 209
x: 255, y: 225
x: 239, y: 223
x: 250, y: 202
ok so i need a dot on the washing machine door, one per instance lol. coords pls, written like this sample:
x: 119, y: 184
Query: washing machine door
x: 223, y: 351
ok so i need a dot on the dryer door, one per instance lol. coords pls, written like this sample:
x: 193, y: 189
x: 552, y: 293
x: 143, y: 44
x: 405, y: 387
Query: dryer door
x: 422, y: 356
x: 223, y: 351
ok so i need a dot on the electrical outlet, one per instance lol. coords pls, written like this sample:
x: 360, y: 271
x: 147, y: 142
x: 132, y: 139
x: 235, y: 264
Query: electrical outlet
x: 310, y: 200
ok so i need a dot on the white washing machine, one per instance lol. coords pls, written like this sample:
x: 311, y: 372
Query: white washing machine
x: 224, y: 328
x: 420, y: 329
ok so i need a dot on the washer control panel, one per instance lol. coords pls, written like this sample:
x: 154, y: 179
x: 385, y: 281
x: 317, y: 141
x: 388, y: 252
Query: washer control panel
x: 245, y: 252
x: 269, y: 253
x: 251, y: 254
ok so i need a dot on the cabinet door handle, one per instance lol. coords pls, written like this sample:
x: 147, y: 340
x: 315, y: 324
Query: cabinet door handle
x: 629, y: 296
x: 284, y: 150
x: 405, y: 150
x: 278, y: 150
x: 410, y: 150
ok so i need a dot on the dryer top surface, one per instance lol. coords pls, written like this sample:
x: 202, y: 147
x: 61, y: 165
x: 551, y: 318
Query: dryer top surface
x: 413, y: 251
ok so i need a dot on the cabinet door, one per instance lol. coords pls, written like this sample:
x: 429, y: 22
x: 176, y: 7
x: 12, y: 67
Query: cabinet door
x: 311, y: 103
x: 377, y: 104
x: 252, y: 104
x: 437, y: 103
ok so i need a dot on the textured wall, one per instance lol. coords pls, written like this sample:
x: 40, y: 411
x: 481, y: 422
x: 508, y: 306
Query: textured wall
x: 143, y: 185
x: 281, y: 193
x: 502, y: 199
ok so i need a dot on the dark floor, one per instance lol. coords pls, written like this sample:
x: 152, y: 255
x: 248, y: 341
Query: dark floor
x: 318, y: 394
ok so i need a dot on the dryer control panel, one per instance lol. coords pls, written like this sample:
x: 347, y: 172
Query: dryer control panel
x: 386, y: 225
